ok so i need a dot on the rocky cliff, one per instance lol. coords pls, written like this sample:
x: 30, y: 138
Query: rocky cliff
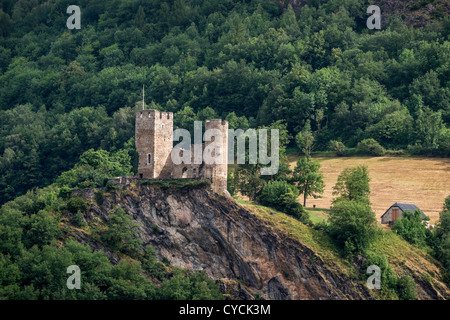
x: 195, y: 228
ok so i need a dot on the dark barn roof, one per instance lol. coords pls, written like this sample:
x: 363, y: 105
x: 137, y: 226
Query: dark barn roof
x: 405, y: 207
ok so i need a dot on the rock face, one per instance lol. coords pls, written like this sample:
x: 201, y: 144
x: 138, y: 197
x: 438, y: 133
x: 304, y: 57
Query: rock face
x: 199, y: 230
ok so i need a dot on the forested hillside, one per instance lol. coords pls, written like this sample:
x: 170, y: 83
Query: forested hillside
x: 65, y: 91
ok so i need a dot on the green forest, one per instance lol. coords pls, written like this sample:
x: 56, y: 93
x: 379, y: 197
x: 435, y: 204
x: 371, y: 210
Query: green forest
x: 65, y: 91
x: 68, y: 100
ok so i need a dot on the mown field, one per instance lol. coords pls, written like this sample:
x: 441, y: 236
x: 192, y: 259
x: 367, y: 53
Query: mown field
x: 419, y: 180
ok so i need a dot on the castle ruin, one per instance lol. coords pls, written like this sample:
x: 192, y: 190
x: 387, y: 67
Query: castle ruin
x: 154, y: 144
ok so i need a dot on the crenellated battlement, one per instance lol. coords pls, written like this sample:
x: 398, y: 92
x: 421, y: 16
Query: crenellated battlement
x: 154, y: 144
x: 144, y: 115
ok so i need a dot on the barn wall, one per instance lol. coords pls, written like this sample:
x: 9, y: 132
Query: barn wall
x: 388, y: 216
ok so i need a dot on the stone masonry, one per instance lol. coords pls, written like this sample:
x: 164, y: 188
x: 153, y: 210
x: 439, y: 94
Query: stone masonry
x: 154, y: 144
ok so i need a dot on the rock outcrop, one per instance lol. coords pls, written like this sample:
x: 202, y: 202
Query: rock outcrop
x: 199, y: 230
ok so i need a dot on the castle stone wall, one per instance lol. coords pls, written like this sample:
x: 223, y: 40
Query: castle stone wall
x: 154, y: 143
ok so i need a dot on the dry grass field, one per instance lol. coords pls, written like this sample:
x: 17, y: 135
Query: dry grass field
x: 422, y: 181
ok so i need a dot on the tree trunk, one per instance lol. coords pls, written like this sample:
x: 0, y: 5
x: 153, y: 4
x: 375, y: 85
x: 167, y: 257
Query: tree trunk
x: 304, y: 196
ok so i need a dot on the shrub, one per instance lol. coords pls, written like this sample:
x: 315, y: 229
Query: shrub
x: 64, y: 193
x: 283, y: 196
x: 353, y: 226
x: 372, y: 147
x: 43, y: 228
x: 78, y: 220
x: 122, y: 233
x: 412, y: 227
x: 403, y: 287
x: 273, y: 193
x: 406, y: 288
x: 76, y: 204
x: 388, y: 277
x: 338, y: 147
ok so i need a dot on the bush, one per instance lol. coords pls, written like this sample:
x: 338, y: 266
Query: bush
x: 372, y: 147
x: 338, y: 147
x: 353, y: 226
x: 412, y: 227
x: 122, y: 233
x: 283, y: 196
x: 388, y: 277
x: 403, y: 287
x: 76, y: 204
x: 78, y: 220
x: 406, y: 288
x: 273, y: 193
x: 64, y: 193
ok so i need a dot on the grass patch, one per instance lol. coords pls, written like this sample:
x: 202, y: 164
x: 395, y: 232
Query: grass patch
x: 318, y: 215
x: 401, y: 254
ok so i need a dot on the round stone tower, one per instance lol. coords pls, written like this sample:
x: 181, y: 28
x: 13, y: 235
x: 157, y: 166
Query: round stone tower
x: 217, y: 172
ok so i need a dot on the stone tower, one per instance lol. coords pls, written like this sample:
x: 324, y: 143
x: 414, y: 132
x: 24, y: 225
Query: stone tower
x: 217, y: 173
x: 154, y: 139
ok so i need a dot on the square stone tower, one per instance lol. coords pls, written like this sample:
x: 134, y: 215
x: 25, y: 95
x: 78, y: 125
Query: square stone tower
x: 154, y: 140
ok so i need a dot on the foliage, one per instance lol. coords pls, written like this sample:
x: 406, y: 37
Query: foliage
x: 338, y: 147
x: 34, y: 256
x: 371, y: 146
x: 391, y: 286
x: 122, y: 234
x: 442, y: 237
x: 315, y: 68
x: 76, y: 204
x: 282, y: 196
x: 305, y: 140
x: 413, y: 228
x: 94, y: 167
x: 406, y: 288
x: 388, y: 278
x: 273, y: 192
x: 196, y: 286
x: 353, y: 226
x: 307, y: 178
x: 353, y: 185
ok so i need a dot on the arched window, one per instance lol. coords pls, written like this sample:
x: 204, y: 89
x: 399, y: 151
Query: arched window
x: 184, y: 172
x: 149, y: 159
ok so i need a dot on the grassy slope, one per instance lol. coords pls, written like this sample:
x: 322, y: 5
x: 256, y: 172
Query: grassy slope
x: 402, y: 257
x: 296, y: 230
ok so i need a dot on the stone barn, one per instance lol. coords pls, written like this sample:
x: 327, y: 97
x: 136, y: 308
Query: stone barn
x: 396, y: 212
